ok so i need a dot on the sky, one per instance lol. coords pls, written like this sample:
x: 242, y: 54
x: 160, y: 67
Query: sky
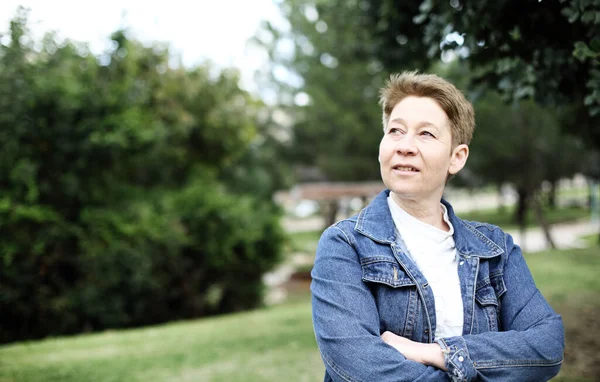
x: 196, y: 30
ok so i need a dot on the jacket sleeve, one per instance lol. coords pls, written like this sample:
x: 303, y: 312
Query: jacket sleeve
x: 346, y: 320
x: 531, y: 343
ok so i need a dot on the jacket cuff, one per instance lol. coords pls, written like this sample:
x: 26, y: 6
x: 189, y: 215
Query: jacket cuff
x: 456, y: 355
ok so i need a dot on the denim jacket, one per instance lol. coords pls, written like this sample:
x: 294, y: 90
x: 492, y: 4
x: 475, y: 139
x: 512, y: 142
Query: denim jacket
x: 364, y: 283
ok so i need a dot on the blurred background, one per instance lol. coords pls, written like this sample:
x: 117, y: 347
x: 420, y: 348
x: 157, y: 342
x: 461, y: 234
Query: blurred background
x: 167, y: 168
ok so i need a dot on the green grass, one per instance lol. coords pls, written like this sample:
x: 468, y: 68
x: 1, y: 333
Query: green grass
x: 569, y: 281
x: 305, y: 242
x: 573, y: 193
x: 277, y: 343
x: 271, y: 344
x: 565, y: 274
x: 504, y: 219
x: 591, y: 240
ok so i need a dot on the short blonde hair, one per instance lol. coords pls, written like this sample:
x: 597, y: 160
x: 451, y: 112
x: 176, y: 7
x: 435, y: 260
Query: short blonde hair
x: 459, y: 111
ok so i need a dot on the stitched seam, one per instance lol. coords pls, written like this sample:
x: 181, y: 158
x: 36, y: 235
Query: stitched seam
x: 350, y: 243
x: 485, y: 300
x: 483, y: 283
x: 373, y: 276
x: 359, y: 228
x: 388, y: 282
x: 474, y: 297
x: 335, y: 368
x: 411, y: 315
x: 496, y: 273
x: 419, y: 293
x: 516, y: 363
x: 493, y: 246
x: 377, y: 259
x: 488, y: 281
x: 477, y: 225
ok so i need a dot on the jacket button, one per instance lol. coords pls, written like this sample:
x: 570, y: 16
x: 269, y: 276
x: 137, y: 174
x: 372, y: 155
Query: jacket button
x: 461, y: 358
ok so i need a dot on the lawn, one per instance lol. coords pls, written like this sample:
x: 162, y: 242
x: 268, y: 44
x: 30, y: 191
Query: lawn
x: 270, y: 344
x: 277, y: 343
x: 569, y: 280
x: 306, y: 242
x: 504, y: 219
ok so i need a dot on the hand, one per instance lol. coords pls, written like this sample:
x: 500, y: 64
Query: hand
x: 427, y: 354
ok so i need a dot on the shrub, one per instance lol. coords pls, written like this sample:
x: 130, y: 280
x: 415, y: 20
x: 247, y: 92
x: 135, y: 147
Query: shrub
x: 114, y: 206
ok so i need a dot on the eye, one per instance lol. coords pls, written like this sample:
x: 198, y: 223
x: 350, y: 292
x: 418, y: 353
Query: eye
x: 394, y: 130
x: 427, y: 133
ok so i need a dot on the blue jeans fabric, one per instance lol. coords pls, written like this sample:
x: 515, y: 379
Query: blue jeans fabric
x: 365, y: 283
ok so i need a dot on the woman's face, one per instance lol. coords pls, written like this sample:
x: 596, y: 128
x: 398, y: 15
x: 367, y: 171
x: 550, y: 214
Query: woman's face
x: 416, y: 153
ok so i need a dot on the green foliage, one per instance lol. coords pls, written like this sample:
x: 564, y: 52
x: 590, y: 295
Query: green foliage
x: 521, y: 146
x: 335, y: 68
x: 116, y: 203
x: 340, y: 72
x: 521, y: 49
x: 281, y: 340
x: 190, y: 253
x: 518, y: 143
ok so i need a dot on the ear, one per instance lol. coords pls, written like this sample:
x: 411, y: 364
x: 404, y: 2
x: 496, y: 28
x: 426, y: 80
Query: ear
x: 458, y: 158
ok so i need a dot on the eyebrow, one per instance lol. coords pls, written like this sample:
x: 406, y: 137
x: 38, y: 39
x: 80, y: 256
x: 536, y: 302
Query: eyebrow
x: 420, y: 124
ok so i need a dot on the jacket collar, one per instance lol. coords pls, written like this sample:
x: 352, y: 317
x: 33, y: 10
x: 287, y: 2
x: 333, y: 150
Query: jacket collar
x: 375, y: 221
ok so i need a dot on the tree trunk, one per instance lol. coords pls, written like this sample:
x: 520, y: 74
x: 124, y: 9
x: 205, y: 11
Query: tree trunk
x: 330, y: 213
x: 520, y: 213
x: 591, y: 195
x: 539, y: 214
x: 552, y: 195
x: 501, y: 200
x: 522, y: 205
x: 594, y: 203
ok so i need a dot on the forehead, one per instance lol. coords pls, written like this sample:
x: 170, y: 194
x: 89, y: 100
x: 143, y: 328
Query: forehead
x: 418, y: 110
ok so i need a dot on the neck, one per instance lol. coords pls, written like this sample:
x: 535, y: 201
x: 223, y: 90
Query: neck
x: 428, y: 211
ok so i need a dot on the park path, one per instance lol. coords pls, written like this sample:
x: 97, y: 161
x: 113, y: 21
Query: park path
x: 565, y: 235
x: 462, y: 202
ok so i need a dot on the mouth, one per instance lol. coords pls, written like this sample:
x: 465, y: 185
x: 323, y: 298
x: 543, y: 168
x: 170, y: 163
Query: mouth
x: 405, y: 168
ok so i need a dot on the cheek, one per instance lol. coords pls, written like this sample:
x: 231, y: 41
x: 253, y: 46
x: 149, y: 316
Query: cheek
x: 384, y: 150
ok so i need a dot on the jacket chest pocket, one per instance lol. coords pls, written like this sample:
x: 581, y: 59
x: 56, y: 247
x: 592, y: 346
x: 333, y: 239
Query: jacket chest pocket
x: 487, y: 307
x: 384, y: 271
x: 395, y: 295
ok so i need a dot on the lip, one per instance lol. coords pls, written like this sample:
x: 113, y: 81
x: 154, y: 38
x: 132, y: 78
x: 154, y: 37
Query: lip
x: 400, y: 168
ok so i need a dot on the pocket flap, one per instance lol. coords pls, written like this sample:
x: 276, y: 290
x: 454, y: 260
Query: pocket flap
x: 384, y: 270
x: 486, y: 295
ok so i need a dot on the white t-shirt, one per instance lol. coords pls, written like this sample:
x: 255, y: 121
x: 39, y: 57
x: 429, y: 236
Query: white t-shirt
x: 434, y: 253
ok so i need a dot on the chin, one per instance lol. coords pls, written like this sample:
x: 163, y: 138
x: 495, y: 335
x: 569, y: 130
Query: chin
x: 405, y: 192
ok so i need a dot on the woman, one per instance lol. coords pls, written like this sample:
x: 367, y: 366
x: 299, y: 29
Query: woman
x: 407, y: 291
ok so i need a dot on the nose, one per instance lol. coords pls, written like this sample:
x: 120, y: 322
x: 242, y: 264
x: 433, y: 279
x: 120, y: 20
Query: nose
x: 406, y: 145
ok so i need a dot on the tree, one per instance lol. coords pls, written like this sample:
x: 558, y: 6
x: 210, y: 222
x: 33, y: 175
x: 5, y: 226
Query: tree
x: 335, y: 74
x: 327, y: 78
x: 117, y: 206
x: 548, y: 50
x: 497, y: 52
x: 520, y: 143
